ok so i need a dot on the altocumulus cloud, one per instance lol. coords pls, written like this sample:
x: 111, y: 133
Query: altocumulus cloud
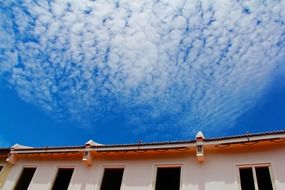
x: 197, y: 64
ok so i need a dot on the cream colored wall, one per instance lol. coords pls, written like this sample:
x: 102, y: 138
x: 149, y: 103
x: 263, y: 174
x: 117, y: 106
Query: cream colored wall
x: 218, y: 172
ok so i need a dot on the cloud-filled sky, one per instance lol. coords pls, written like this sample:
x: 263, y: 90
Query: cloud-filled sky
x: 149, y: 68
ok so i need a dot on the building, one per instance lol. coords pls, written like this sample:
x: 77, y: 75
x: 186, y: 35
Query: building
x: 244, y: 162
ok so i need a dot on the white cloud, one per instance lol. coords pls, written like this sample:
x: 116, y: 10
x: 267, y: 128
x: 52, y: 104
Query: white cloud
x: 206, y: 62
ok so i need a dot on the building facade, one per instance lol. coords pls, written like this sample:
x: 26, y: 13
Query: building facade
x: 245, y: 162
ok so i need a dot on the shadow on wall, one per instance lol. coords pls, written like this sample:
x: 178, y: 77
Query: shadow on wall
x: 88, y: 181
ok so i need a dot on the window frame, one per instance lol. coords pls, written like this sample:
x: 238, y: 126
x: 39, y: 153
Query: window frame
x: 20, y: 173
x: 56, y: 172
x: 111, y: 166
x: 253, y: 166
x: 156, y: 166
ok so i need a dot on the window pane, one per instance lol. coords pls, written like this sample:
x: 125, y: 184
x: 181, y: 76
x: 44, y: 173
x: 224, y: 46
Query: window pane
x: 246, y: 179
x: 112, y: 179
x: 263, y: 178
x: 25, y: 179
x: 62, y: 179
x: 168, y: 178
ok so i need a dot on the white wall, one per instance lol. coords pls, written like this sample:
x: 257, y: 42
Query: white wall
x: 218, y: 172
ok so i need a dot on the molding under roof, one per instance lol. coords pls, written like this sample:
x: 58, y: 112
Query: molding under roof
x: 93, y: 146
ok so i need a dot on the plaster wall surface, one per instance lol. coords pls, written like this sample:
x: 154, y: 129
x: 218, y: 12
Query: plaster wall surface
x: 219, y: 171
x: 4, y: 172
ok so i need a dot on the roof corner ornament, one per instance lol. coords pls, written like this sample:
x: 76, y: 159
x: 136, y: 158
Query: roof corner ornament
x: 19, y: 146
x: 200, y: 147
x: 87, y: 157
x: 12, y: 158
x: 92, y: 143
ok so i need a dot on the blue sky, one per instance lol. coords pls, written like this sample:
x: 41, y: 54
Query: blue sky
x: 123, y: 71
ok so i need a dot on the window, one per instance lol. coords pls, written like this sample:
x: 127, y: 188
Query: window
x: 168, y: 178
x: 255, y: 178
x: 246, y: 178
x: 25, y: 179
x: 263, y: 178
x: 62, y: 179
x: 112, y: 179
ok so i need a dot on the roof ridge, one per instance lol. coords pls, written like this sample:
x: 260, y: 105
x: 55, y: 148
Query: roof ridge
x: 161, y: 142
x: 248, y: 134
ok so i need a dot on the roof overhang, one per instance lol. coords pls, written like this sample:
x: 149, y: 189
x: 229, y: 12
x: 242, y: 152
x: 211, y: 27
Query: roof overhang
x: 199, y: 144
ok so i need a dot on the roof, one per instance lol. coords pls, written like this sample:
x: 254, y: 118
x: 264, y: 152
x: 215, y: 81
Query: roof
x: 270, y: 135
x: 267, y: 133
x: 90, y: 148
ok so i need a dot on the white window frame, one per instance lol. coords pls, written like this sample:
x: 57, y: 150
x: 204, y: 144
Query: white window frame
x: 22, y: 169
x: 156, y: 166
x: 253, y: 166
x: 111, y: 166
x: 56, y: 171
